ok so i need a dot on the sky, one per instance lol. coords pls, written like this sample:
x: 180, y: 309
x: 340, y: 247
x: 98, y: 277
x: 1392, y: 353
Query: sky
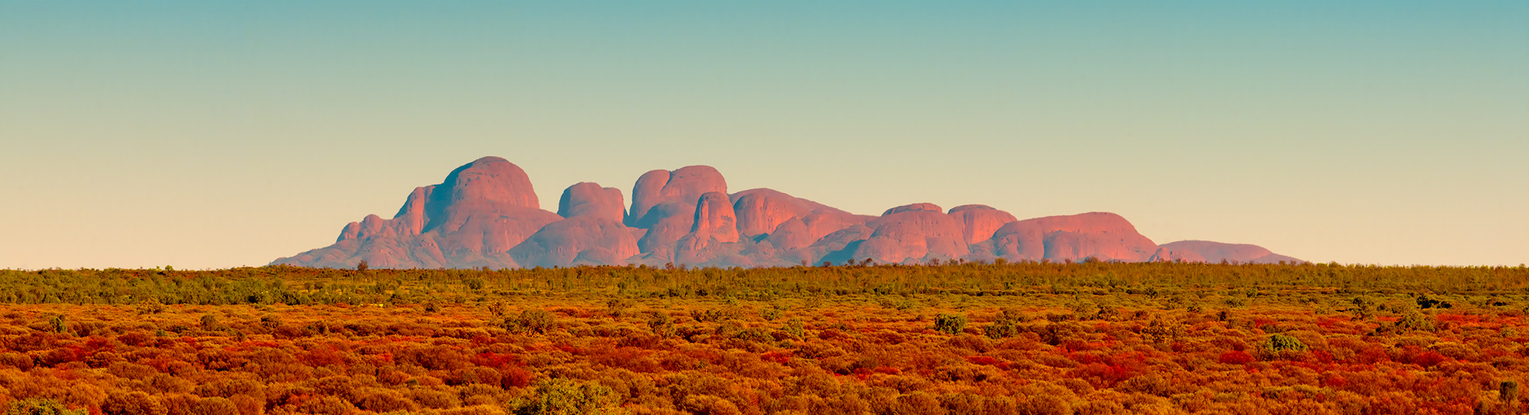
x: 220, y: 134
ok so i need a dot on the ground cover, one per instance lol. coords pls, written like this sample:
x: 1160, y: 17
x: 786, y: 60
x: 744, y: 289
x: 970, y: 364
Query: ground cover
x: 1027, y: 338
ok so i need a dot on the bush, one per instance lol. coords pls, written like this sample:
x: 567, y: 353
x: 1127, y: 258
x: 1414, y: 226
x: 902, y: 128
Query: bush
x: 1281, y: 345
x: 1001, y: 329
x: 562, y: 396
x: 1413, y: 320
x: 327, y: 405
x: 794, y: 328
x: 40, y: 406
x: 950, y: 323
x: 383, y: 401
x: 214, y: 406
x: 661, y: 324
x: 434, y: 399
x: 531, y: 321
x: 209, y: 322
x: 132, y: 403
x: 1236, y: 357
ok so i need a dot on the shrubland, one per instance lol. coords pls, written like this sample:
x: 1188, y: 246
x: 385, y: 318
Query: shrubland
x: 955, y: 338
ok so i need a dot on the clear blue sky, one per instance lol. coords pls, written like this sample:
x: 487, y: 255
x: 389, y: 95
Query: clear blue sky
x: 215, y: 134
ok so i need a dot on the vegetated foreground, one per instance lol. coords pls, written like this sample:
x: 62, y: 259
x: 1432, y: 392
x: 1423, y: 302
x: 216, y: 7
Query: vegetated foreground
x: 1026, y: 338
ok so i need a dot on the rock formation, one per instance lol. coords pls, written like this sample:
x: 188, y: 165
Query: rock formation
x: 580, y: 240
x: 664, y: 202
x: 486, y: 214
x: 979, y: 222
x: 1104, y: 236
x: 1207, y: 251
x: 589, y: 199
x: 914, y: 232
x: 470, y: 220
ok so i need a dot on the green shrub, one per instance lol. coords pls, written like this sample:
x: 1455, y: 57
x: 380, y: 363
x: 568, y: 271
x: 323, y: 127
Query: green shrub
x: 563, y: 396
x: 40, y: 406
x: 1283, y: 343
x: 950, y: 323
x: 1413, y: 320
x: 794, y: 328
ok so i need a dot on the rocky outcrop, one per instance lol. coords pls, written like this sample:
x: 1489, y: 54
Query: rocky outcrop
x: 1104, y: 236
x: 760, y: 211
x: 486, y: 214
x: 579, y: 240
x: 591, y: 200
x: 481, y: 211
x: 1207, y: 251
x: 714, y: 219
x: 979, y: 222
x: 664, y: 203
x: 913, y: 232
x: 683, y: 186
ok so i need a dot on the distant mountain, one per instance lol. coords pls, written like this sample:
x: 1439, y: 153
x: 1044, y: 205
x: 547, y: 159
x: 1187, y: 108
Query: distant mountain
x: 486, y: 214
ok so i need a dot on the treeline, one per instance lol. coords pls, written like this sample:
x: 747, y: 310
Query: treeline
x: 299, y: 286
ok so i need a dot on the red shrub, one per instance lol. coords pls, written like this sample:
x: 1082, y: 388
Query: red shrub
x: 1427, y: 359
x: 515, y: 377
x: 1236, y: 357
x: 781, y: 356
x: 496, y: 360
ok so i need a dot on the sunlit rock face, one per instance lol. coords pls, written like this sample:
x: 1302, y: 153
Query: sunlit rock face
x: 913, y: 233
x: 478, y: 213
x: 591, y: 200
x: 1100, y: 235
x: 979, y: 222
x: 486, y: 214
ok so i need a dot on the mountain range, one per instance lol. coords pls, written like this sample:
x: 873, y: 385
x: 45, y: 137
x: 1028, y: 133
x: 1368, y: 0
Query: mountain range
x: 486, y: 214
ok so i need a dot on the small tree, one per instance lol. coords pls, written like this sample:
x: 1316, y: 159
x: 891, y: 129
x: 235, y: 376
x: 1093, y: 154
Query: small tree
x: 363, y: 266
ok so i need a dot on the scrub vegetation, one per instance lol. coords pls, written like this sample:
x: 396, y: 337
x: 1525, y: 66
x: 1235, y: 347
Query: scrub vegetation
x: 954, y: 338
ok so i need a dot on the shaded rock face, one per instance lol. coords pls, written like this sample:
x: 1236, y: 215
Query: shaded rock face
x: 1105, y: 236
x: 591, y: 200
x: 979, y: 222
x: 714, y: 218
x: 1207, y: 251
x: 486, y: 214
x: 579, y: 240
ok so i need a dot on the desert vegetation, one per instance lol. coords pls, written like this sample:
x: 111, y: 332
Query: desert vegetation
x: 955, y: 338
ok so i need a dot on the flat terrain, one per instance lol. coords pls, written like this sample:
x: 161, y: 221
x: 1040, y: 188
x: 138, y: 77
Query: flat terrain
x: 1028, y: 338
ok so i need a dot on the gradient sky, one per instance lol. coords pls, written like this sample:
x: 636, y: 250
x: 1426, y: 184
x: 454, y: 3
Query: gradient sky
x: 215, y: 134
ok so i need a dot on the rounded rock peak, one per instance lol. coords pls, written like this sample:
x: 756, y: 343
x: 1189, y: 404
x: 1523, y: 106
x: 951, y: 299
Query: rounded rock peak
x: 589, y: 199
x: 491, y: 179
x: 916, y: 207
x: 979, y: 222
x: 684, y: 185
x: 957, y: 209
x: 761, y: 210
x: 1218, y: 251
